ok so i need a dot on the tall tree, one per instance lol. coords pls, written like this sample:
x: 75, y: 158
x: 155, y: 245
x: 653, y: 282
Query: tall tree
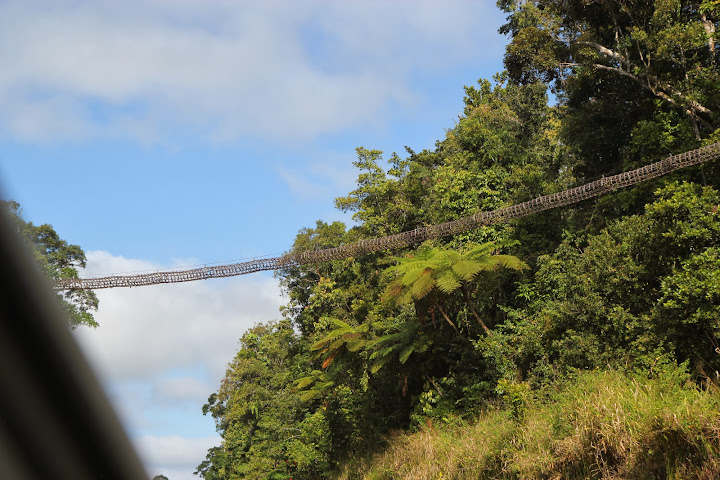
x: 266, y: 431
x: 666, y: 47
x: 623, y: 70
x: 645, y: 286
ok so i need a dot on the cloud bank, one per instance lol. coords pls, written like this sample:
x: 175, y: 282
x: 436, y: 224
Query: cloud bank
x: 173, y: 456
x: 142, y: 69
x: 145, y: 331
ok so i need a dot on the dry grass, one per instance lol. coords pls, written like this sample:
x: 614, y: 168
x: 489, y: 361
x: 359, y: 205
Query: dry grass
x: 452, y: 452
x: 605, y: 425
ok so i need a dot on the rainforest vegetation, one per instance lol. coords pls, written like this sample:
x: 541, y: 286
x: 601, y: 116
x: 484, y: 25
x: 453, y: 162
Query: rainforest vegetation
x: 583, y: 342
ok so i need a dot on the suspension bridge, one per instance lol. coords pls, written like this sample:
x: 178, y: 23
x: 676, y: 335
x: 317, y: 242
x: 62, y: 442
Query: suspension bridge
x: 404, y: 239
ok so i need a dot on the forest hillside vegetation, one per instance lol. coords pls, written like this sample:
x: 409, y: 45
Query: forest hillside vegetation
x: 581, y: 342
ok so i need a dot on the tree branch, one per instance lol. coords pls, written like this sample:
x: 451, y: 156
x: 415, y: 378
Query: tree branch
x: 447, y: 319
x: 710, y: 30
x: 475, y: 314
x: 648, y: 81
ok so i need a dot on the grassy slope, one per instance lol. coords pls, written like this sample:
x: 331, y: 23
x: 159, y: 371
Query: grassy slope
x: 598, y: 425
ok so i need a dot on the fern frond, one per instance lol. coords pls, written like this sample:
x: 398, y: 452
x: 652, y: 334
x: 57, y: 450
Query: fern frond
x: 405, y: 353
x: 309, y: 395
x: 330, y: 337
x: 482, y: 250
x: 355, y: 345
x: 383, y: 352
x: 329, y: 360
x: 467, y: 269
x: 304, y: 382
x: 510, y: 261
x: 379, y: 364
x: 422, y: 345
x: 413, y: 275
x: 340, y: 323
x: 422, y: 286
x: 448, y: 282
x: 445, y: 258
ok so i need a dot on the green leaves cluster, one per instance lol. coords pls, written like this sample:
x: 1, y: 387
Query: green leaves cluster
x: 266, y: 429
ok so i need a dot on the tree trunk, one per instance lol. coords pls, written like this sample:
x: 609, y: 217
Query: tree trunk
x: 710, y: 30
x: 447, y: 319
x: 474, y: 312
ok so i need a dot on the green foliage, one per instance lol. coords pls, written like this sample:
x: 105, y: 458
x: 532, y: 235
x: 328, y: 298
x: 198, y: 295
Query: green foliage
x: 418, y: 274
x: 645, y: 284
x: 257, y: 410
x: 664, y: 49
x: 516, y: 395
x: 401, y: 339
x: 57, y: 259
x: 571, y: 370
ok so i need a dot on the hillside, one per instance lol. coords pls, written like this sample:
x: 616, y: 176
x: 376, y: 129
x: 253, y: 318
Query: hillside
x: 580, y: 342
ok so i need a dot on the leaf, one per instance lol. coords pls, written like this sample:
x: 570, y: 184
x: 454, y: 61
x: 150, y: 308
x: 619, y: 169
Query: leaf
x: 510, y: 261
x: 340, y: 323
x: 467, y: 269
x: 423, y: 286
x: 309, y: 395
x: 335, y: 346
x: 412, y: 276
x: 304, y: 382
x: 355, y: 345
x: 329, y: 359
x: 330, y: 337
x: 405, y: 353
x: 422, y: 346
x: 378, y: 365
x: 384, y: 352
x: 448, y: 282
x: 482, y: 250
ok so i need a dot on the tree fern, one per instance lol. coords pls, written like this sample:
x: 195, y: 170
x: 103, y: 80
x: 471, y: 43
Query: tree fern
x: 418, y: 274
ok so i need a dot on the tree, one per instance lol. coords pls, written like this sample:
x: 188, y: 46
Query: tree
x: 57, y: 259
x: 664, y: 47
x: 418, y: 275
x: 160, y: 477
x: 396, y: 339
x: 267, y: 432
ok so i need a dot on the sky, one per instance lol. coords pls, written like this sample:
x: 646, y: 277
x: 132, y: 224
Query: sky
x: 170, y: 133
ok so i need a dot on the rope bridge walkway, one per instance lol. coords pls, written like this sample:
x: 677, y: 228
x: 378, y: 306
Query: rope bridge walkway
x: 400, y: 240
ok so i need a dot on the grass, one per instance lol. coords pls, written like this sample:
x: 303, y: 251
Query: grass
x: 602, y: 425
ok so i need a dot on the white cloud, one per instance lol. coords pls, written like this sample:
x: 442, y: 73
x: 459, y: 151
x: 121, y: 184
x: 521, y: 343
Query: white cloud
x: 150, y: 330
x: 174, y: 456
x: 174, y: 390
x: 272, y: 69
x: 332, y: 175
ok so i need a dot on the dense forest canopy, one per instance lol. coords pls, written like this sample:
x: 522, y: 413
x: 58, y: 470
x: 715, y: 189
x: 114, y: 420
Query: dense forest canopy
x: 627, y: 283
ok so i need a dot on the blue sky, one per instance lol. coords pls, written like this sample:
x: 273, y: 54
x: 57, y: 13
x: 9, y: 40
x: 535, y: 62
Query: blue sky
x: 163, y: 133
